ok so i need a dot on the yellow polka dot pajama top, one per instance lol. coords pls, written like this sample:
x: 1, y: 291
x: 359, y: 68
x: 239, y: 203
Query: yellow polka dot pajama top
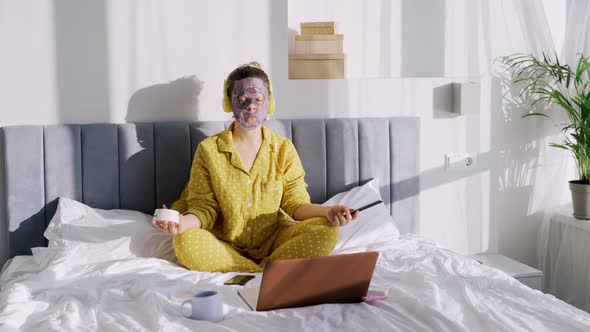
x: 246, y: 215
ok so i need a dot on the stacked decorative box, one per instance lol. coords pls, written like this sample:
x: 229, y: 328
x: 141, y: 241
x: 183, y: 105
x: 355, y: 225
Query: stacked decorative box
x: 318, y: 52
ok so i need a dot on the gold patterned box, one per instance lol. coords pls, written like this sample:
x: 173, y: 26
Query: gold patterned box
x: 307, y: 66
x: 314, y: 28
x: 319, y: 44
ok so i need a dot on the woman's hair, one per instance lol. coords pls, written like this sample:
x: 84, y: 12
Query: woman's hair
x: 251, y: 69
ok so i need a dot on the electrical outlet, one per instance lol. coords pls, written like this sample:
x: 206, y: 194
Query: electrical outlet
x: 459, y: 160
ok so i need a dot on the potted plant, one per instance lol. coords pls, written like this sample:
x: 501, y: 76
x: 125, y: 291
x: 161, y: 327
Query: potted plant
x: 544, y: 80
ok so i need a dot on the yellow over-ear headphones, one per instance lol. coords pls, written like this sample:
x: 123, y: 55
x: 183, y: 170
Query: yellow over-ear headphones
x: 227, y: 100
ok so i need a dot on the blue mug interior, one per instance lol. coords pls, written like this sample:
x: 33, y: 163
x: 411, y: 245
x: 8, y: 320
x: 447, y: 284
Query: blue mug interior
x: 204, y: 294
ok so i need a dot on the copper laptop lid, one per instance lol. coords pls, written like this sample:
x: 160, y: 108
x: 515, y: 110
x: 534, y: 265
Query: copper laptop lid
x: 310, y: 281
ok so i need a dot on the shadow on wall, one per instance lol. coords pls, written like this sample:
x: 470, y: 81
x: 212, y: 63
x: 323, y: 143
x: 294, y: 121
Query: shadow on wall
x: 513, y: 164
x: 136, y: 167
x: 278, y: 43
x: 423, y: 40
x: 176, y: 101
x: 515, y: 143
x: 82, y: 67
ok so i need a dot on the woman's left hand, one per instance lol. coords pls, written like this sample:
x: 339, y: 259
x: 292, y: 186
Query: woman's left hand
x: 339, y: 215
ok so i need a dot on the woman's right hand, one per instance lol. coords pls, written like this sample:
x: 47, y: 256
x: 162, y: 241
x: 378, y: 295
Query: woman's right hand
x: 172, y: 228
x: 169, y: 227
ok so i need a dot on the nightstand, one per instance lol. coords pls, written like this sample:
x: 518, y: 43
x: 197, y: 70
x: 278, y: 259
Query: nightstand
x: 563, y: 252
x: 525, y: 274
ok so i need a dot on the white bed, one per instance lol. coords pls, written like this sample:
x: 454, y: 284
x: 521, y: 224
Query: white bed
x: 429, y: 288
x: 110, y: 270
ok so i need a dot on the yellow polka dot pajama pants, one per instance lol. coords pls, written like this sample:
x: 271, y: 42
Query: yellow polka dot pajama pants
x: 200, y: 250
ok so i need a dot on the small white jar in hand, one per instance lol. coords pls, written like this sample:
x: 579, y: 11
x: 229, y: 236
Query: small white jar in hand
x: 166, y: 215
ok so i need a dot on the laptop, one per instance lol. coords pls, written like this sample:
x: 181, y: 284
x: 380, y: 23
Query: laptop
x: 309, y: 281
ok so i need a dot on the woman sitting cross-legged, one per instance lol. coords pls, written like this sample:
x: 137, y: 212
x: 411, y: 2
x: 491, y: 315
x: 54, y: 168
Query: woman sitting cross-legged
x: 246, y: 202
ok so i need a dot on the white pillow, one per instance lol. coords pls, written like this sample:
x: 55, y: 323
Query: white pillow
x: 89, y: 235
x: 373, y: 227
x: 101, y: 235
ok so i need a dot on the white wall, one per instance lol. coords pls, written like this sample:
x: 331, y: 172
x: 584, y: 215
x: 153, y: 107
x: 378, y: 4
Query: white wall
x: 153, y: 60
x: 28, y: 93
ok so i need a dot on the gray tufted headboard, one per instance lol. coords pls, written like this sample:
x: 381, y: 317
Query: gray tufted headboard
x: 140, y: 166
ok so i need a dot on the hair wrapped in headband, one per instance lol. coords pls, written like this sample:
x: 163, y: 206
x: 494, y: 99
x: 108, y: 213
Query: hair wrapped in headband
x: 227, y: 107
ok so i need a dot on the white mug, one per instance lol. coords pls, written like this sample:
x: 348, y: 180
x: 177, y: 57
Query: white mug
x: 206, y: 305
x: 167, y: 214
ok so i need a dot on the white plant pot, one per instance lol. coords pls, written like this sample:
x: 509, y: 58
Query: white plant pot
x: 580, y: 199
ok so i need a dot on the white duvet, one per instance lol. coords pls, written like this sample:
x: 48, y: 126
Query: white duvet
x: 429, y: 288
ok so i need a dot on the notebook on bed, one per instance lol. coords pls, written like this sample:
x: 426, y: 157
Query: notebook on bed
x: 310, y: 281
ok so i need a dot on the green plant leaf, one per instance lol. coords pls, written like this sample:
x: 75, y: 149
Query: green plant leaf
x: 560, y: 146
x: 535, y: 114
x: 545, y: 80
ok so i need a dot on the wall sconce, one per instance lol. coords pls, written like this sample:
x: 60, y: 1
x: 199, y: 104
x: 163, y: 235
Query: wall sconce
x: 466, y: 97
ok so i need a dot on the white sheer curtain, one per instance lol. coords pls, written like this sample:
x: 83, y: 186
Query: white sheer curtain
x: 461, y: 40
x: 563, y: 247
x: 479, y: 31
x: 162, y: 54
x: 425, y: 38
x: 577, y: 36
x: 526, y: 176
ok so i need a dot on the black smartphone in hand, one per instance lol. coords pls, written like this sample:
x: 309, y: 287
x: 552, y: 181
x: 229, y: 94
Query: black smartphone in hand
x: 366, y: 207
x: 240, y: 279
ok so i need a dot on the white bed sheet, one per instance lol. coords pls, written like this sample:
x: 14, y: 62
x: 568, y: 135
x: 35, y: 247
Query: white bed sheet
x: 429, y: 288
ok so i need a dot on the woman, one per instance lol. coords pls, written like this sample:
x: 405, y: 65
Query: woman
x: 246, y: 202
